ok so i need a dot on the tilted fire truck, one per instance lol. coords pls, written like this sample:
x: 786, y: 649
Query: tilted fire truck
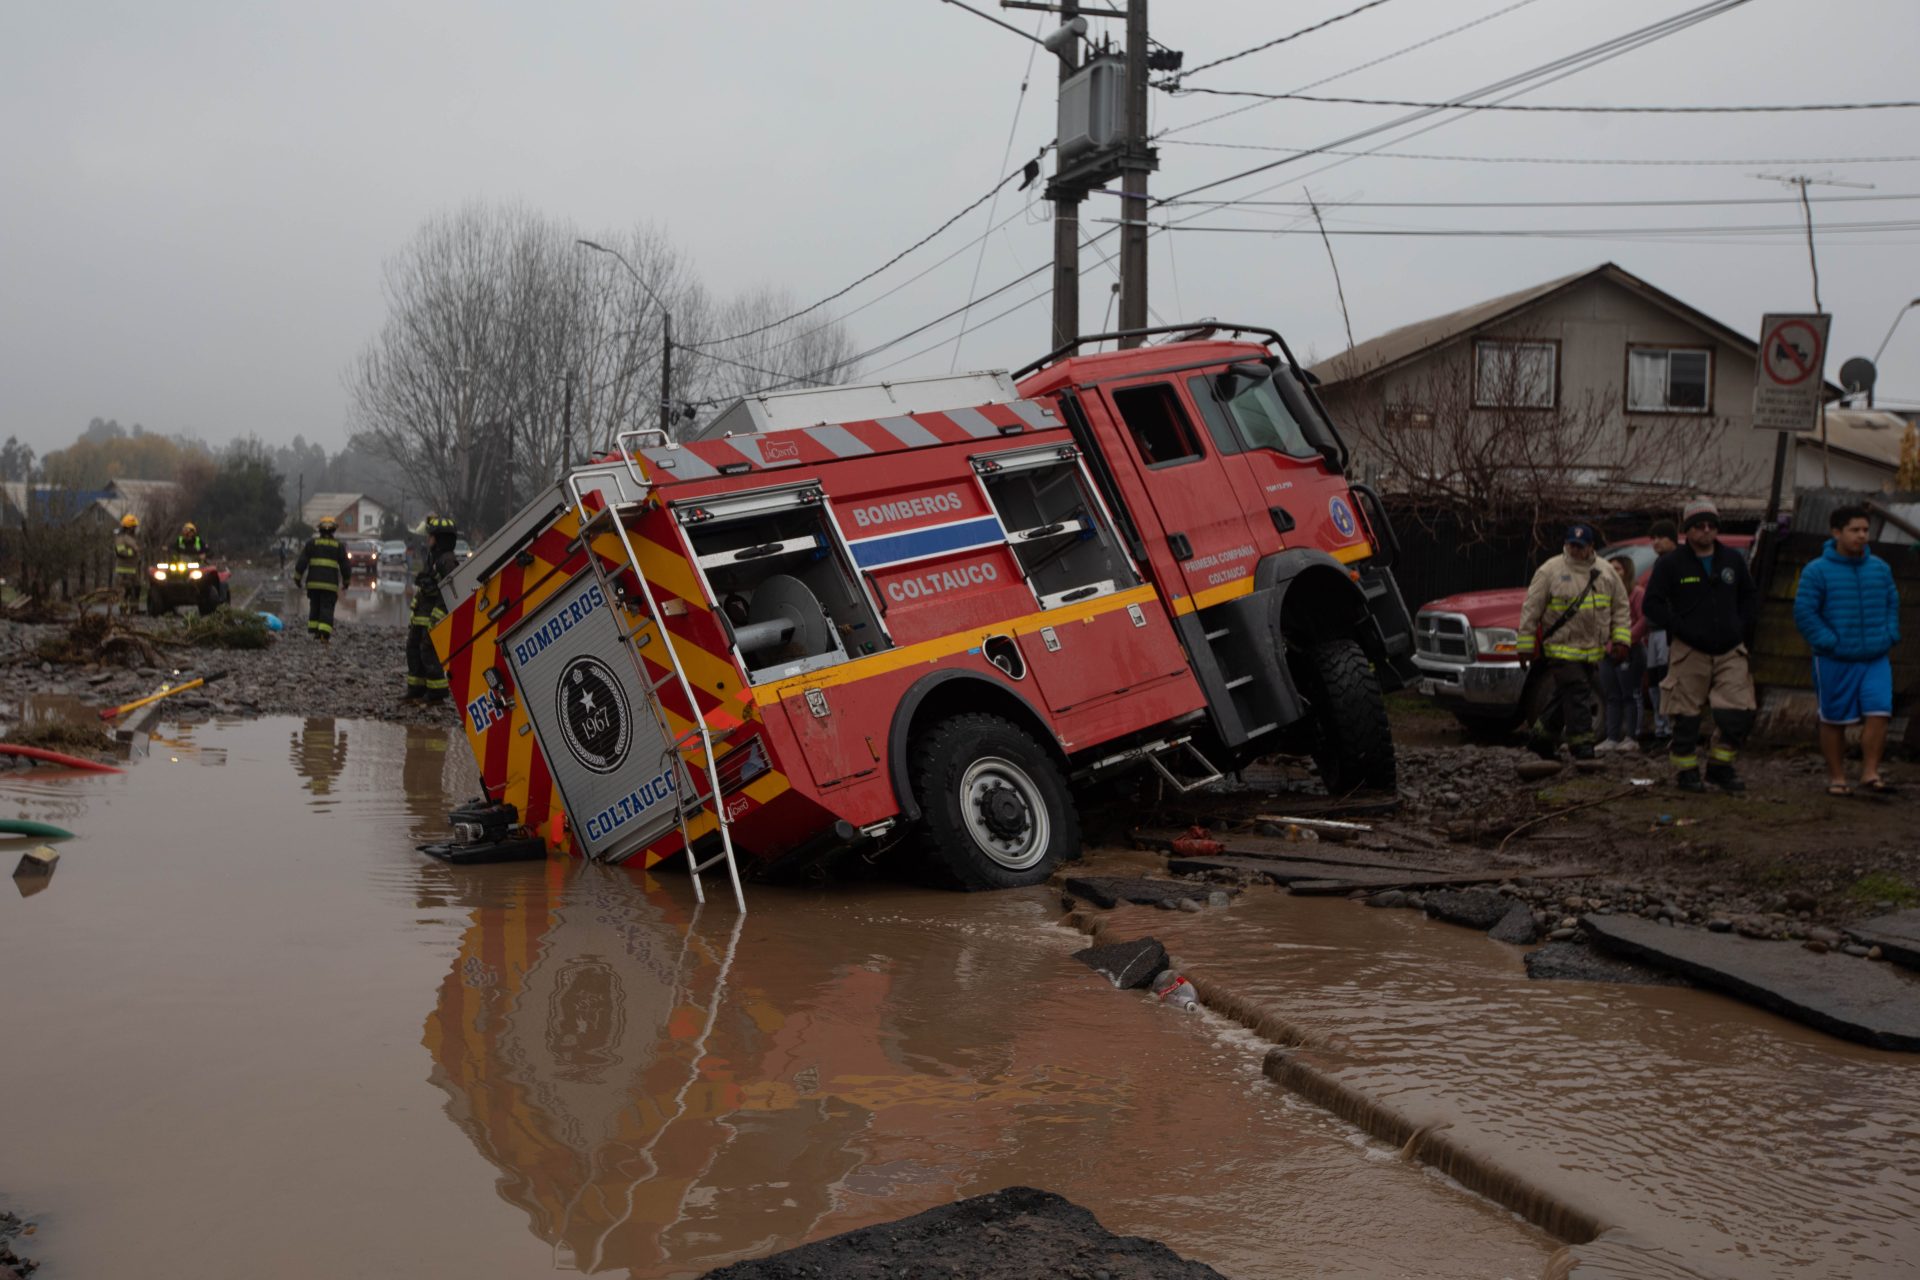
x: 849, y: 614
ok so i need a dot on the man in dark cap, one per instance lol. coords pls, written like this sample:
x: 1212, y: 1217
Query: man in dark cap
x: 1702, y: 595
x: 1575, y: 613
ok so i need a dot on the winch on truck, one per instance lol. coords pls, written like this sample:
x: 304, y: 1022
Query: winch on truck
x: 849, y: 614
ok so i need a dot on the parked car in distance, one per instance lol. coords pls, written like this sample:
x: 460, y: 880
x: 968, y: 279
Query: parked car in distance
x: 461, y: 550
x: 1464, y: 649
x: 393, y: 556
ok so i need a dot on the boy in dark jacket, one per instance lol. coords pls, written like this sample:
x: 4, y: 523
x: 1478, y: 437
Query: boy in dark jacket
x: 1849, y: 610
x: 1702, y: 595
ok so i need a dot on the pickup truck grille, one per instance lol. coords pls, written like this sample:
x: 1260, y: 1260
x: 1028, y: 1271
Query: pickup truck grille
x: 1443, y: 637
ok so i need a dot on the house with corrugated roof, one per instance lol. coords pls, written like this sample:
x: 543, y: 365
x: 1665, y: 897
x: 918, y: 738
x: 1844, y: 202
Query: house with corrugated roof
x: 1659, y: 392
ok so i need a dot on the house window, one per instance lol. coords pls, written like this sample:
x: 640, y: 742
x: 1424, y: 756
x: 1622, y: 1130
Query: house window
x: 1668, y: 379
x: 1409, y: 417
x: 1158, y: 425
x: 1515, y: 375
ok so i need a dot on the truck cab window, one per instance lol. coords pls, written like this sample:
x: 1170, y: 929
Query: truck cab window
x: 1264, y: 421
x: 1157, y: 423
x: 1064, y: 546
x: 790, y: 601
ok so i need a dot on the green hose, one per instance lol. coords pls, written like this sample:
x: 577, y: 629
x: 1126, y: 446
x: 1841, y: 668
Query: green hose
x: 44, y: 830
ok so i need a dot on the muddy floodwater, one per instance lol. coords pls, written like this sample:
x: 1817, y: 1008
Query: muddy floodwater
x: 250, y: 1032
x: 1712, y: 1139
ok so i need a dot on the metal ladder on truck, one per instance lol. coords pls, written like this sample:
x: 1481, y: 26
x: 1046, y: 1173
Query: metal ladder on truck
x: 614, y: 512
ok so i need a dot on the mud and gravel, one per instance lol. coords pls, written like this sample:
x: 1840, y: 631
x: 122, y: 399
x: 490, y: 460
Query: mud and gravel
x: 12, y: 1265
x: 361, y: 674
x: 1013, y: 1234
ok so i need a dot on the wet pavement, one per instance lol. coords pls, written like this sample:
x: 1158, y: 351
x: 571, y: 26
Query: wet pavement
x: 1713, y: 1138
x: 250, y: 1032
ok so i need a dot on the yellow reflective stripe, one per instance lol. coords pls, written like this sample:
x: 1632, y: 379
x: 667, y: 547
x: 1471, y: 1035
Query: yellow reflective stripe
x: 1622, y: 636
x: 1724, y: 755
x: 319, y: 626
x: 324, y: 586
x: 1573, y: 654
x: 1684, y: 762
x: 1564, y: 604
x: 1525, y: 643
x: 317, y: 563
x: 1184, y: 605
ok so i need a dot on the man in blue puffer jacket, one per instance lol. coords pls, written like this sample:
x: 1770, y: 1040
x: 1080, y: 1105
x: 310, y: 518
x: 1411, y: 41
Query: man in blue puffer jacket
x: 1849, y: 611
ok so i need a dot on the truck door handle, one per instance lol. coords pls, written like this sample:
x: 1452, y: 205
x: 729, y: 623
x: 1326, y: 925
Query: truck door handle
x: 1181, y: 548
x: 1282, y: 519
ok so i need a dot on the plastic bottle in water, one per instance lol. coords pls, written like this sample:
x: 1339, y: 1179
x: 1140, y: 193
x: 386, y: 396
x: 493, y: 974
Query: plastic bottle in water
x: 1174, y: 990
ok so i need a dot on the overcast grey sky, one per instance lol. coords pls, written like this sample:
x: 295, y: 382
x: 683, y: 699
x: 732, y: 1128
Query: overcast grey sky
x: 198, y: 196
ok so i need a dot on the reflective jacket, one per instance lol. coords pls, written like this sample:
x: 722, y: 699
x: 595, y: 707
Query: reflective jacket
x: 126, y: 554
x: 1583, y: 605
x: 194, y: 546
x: 1847, y: 606
x: 429, y: 602
x: 322, y: 564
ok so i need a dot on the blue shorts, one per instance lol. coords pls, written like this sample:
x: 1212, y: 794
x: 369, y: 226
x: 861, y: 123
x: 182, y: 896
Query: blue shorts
x: 1851, y: 691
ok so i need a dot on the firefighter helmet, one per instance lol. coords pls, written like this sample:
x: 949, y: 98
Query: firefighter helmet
x: 189, y: 528
x: 441, y: 524
x: 129, y: 521
x: 327, y: 524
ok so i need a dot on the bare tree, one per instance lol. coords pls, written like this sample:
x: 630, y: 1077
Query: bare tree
x: 509, y: 351
x: 1485, y: 438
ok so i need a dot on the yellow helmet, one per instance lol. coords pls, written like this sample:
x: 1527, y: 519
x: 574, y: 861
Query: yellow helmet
x: 327, y: 524
x: 189, y: 528
x: 129, y: 521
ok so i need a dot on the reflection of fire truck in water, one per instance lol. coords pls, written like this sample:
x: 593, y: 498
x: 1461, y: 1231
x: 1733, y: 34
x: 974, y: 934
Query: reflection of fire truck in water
x: 851, y: 611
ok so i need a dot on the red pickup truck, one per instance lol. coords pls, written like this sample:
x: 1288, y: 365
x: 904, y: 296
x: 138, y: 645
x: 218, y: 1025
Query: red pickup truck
x: 1463, y: 650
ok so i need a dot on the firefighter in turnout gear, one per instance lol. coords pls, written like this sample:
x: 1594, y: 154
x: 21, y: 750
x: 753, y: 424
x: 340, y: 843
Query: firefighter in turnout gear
x: 1702, y: 593
x: 1578, y: 607
x: 190, y: 543
x: 426, y: 679
x: 126, y: 562
x: 322, y: 571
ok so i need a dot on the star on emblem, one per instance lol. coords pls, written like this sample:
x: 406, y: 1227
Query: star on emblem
x: 586, y: 700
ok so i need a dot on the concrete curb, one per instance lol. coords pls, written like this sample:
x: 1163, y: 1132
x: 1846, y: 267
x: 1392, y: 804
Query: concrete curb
x: 1290, y: 1066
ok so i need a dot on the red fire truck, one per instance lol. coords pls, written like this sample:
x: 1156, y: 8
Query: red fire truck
x: 845, y: 616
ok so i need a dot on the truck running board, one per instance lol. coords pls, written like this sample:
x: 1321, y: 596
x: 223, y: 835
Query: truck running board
x: 1157, y: 754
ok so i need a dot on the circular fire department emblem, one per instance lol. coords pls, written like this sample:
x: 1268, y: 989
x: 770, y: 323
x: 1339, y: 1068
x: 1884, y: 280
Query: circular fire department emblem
x: 594, y: 718
x: 1342, y: 516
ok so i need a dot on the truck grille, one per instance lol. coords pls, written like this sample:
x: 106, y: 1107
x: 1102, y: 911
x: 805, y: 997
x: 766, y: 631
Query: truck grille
x: 1443, y: 637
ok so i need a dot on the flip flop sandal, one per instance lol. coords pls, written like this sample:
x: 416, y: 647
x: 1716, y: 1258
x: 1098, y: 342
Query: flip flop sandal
x: 1839, y: 789
x: 1878, y: 786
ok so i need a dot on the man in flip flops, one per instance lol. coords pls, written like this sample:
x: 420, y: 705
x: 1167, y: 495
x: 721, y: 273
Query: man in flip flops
x: 1849, y: 610
x: 1701, y: 594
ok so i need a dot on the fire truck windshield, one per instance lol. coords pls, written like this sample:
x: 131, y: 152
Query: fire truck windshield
x: 1264, y: 421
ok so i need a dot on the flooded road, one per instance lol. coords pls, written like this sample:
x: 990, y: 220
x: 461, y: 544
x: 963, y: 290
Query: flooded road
x: 250, y: 1032
x: 1716, y: 1139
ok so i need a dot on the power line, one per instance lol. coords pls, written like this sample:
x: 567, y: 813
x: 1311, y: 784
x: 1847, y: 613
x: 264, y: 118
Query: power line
x: 1370, y: 63
x: 1546, y: 73
x: 1175, y: 81
x: 1567, y: 160
x: 1543, y: 204
x: 843, y: 292
x: 1743, y: 109
x: 1549, y: 233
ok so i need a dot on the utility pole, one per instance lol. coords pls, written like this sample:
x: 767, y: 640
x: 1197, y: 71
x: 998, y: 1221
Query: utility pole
x: 666, y: 373
x: 1136, y: 162
x: 1066, y: 221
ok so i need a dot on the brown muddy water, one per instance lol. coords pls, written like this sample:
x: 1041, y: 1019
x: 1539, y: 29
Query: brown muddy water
x: 1713, y: 1139
x: 248, y: 1031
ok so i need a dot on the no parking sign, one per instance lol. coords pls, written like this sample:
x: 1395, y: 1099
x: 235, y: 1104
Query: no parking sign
x: 1787, y: 375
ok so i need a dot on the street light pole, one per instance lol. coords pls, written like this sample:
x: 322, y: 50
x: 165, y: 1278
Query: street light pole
x: 1898, y: 316
x: 666, y: 353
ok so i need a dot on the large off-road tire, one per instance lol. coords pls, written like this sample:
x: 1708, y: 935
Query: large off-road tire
x: 995, y: 807
x: 1352, y: 743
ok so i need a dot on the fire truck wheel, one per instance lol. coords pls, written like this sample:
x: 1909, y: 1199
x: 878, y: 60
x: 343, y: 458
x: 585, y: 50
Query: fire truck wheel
x: 998, y: 814
x: 1352, y: 742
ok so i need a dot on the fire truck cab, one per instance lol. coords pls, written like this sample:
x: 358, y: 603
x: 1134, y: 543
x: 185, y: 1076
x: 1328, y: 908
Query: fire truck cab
x: 846, y: 616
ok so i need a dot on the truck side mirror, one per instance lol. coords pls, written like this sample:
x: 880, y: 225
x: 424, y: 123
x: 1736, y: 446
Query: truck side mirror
x: 1238, y: 376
